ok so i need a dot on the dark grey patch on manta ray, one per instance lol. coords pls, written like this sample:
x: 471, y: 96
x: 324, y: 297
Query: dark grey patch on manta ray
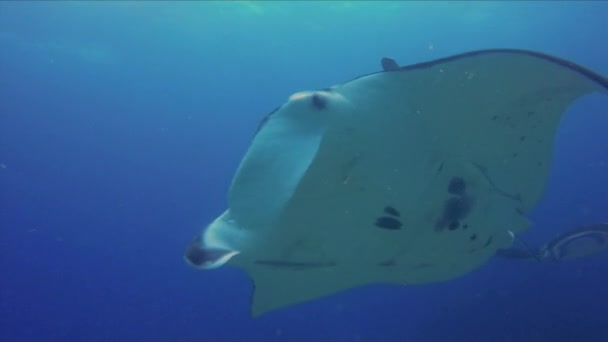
x: 391, y: 211
x: 294, y: 264
x: 318, y: 101
x: 454, y: 210
x: 389, y: 223
x: 457, y: 186
x: 473, y: 237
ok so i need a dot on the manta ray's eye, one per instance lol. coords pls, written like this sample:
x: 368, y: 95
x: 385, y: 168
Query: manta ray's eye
x: 318, y: 101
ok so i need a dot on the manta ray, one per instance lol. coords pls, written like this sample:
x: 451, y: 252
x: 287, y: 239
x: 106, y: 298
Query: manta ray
x: 411, y: 175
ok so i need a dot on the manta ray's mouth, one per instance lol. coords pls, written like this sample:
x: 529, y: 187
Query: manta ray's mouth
x: 200, y: 256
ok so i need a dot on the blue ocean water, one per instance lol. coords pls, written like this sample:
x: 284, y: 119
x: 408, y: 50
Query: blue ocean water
x: 121, y: 125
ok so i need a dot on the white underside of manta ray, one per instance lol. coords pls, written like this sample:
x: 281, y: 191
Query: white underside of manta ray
x: 412, y: 175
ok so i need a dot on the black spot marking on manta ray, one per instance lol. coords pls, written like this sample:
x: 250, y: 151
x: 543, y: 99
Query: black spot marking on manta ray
x: 465, y: 226
x: 389, y: 223
x: 457, y: 186
x: 522, y: 138
x: 318, y: 102
x: 514, y: 155
x: 391, y: 211
x: 494, y: 117
x: 473, y: 237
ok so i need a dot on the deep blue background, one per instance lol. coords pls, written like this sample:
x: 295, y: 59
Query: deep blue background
x: 121, y: 125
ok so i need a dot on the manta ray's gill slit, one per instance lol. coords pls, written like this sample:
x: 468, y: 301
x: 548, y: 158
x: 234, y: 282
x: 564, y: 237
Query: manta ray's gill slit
x: 422, y: 265
x: 488, y: 242
x: 440, y: 168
